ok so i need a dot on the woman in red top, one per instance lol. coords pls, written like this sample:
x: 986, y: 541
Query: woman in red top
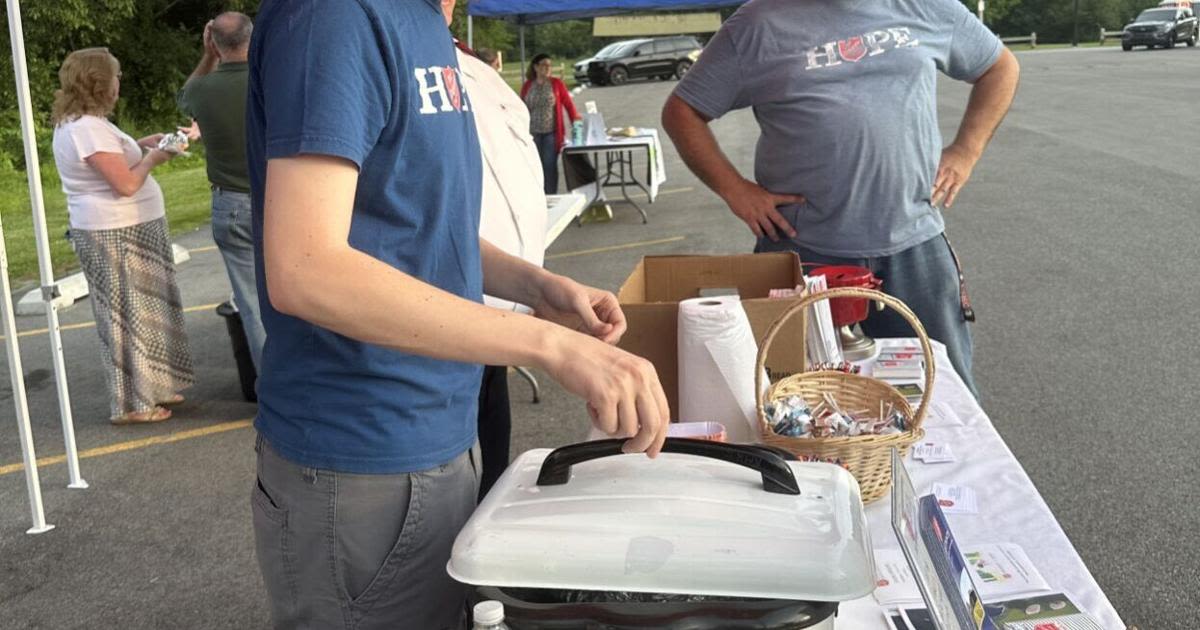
x: 547, y: 97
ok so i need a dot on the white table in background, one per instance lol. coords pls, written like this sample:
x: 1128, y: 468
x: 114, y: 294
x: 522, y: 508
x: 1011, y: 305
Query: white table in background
x: 561, y: 211
x: 1010, y: 508
x: 616, y: 169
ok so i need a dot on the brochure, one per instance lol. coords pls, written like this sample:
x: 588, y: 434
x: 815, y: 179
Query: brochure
x: 953, y: 584
x: 894, y: 581
x: 1003, y: 571
x: 955, y: 499
x: 1054, y: 611
x: 932, y: 552
x: 950, y: 568
x: 1051, y: 611
x: 926, y: 543
x: 1000, y: 571
x: 918, y: 619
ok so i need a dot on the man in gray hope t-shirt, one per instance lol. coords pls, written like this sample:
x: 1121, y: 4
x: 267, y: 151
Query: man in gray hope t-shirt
x: 849, y: 167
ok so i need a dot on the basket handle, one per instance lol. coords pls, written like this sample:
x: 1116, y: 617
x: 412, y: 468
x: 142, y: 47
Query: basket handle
x: 810, y: 298
x: 777, y: 476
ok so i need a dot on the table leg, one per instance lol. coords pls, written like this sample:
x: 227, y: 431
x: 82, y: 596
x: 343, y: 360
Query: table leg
x: 533, y: 383
x: 627, y: 157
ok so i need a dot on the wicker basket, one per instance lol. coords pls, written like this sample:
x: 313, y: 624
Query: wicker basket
x: 867, y: 456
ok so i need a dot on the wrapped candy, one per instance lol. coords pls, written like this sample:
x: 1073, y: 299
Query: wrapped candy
x: 836, y: 366
x: 175, y: 143
x: 792, y: 416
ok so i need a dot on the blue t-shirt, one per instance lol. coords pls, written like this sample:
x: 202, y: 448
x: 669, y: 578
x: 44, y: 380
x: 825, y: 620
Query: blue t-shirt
x: 845, y: 95
x: 375, y: 82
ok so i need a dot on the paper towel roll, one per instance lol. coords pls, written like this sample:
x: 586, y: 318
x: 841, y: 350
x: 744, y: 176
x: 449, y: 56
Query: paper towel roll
x: 717, y: 353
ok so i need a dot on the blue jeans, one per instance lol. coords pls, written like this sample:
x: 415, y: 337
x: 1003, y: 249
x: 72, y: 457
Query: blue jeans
x: 231, y: 229
x: 926, y: 278
x: 547, y: 149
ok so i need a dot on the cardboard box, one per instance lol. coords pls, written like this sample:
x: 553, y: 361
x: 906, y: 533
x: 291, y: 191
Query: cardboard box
x: 650, y: 298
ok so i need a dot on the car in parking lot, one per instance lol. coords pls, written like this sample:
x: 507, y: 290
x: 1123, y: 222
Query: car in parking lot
x: 581, y: 66
x: 1162, y: 26
x: 661, y: 57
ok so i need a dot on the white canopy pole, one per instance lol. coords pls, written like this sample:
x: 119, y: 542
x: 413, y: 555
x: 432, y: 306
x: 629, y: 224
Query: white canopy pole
x: 17, y: 374
x: 470, y: 32
x: 15, y: 371
x: 522, y: 47
x: 45, y: 267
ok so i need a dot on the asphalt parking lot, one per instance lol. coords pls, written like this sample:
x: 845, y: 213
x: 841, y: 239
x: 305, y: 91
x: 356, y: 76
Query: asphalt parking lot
x: 1078, y: 234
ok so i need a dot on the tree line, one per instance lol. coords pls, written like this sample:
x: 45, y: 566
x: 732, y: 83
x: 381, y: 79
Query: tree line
x: 158, y: 43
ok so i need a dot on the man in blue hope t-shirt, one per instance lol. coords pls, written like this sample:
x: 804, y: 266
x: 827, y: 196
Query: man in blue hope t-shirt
x: 849, y: 167
x: 365, y: 176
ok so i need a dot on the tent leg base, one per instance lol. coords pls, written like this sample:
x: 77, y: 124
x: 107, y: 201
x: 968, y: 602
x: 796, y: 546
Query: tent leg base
x: 78, y: 485
x: 39, y: 530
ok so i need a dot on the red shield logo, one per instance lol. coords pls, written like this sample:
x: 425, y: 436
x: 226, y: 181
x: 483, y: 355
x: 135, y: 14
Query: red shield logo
x: 852, y: 49
x: 451, y: 80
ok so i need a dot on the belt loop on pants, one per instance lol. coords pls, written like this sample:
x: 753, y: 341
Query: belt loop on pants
x: 963, y: 298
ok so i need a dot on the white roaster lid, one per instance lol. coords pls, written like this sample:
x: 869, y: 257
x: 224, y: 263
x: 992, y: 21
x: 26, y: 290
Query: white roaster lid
x: 681, y: 523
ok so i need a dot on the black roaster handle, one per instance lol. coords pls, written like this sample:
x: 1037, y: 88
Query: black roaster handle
x: 777, y: 476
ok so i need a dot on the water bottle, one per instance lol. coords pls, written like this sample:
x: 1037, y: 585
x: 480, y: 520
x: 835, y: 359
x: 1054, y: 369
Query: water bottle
x: 489, y: 615
x: 577, y: 133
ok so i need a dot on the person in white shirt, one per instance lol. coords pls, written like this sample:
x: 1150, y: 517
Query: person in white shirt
x: 513, y: 218
x: 119, y: 231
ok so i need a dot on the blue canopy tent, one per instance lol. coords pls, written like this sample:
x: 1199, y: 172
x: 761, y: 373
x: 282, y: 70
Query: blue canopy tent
x: 528, y: 12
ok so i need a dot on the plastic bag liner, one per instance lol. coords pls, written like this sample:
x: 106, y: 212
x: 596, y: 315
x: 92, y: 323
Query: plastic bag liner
x: 559, y: 609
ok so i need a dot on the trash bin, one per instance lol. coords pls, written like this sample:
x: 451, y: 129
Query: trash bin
x: 241, y: 349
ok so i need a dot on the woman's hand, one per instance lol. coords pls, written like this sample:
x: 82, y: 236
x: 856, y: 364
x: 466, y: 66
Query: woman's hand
x: 157, y: 156
x: 150, y: 141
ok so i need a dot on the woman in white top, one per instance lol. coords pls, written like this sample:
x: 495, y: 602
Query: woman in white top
x: 119, y: 230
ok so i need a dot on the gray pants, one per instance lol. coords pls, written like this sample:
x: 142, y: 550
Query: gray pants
x: 349, y: 551
x: 926, y: 278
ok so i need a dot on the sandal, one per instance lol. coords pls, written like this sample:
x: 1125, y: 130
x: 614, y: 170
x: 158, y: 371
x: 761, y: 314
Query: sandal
x: 177, y: 399
x: 158, y: 414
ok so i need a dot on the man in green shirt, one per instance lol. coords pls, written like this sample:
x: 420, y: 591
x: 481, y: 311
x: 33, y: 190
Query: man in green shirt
x: 215, y: 97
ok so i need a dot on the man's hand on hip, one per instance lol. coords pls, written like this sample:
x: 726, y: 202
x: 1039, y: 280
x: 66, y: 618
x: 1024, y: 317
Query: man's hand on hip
x: 952, y: 174
x: 758, y: 207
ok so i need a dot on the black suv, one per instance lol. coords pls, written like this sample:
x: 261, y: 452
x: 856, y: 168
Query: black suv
x: 662, y: 57
x: 1161, y: 27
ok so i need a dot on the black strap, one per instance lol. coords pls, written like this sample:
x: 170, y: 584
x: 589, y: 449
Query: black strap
x: 963, y: 298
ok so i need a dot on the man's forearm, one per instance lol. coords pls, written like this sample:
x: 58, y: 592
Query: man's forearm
x: 509, y: 278
x: 313, y: 273
x: 698, y: 147
x: 989, y: 102
x: 409, y: 315
x: 208, y: 63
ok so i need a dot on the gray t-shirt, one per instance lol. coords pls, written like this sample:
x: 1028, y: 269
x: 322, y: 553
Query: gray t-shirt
x: 844, y: 92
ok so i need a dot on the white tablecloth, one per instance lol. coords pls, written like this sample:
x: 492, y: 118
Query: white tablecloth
x: 1010, y: 508
x: 646, y: 138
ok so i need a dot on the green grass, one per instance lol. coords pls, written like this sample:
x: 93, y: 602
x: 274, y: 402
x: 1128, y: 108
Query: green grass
x: 185, y: 189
